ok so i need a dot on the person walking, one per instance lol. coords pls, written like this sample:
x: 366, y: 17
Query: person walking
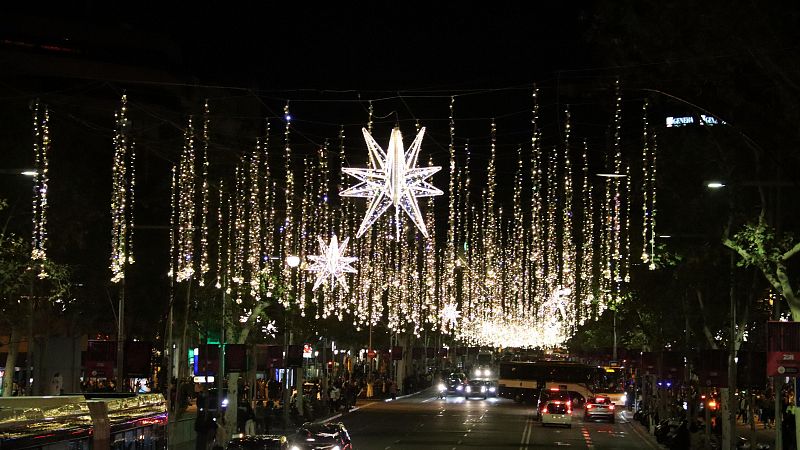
x: 393, y: 389
x: 260, y: 417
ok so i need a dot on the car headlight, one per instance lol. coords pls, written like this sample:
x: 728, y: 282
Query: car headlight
x: 486, y: 372
x: 477, y: 372
x: 459, y: 387
x: 224, y: 402
x: 492, y: 389
x: 483, y: 388
x: 469, y: 388
x: 294, y: 447
x: 442, y: 387
x: 336, y: 447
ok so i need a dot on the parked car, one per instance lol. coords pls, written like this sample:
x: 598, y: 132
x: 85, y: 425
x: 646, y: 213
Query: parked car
x: 260, y: 442
x: 321, y: 436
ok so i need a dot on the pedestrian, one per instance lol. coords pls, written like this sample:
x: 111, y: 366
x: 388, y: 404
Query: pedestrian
x: 393, y: 389
x: 260, y: 417
x: 220, y: 435
x: 249, y: 421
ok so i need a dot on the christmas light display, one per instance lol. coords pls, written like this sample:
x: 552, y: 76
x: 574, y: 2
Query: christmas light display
x: 122, y: 189
x: 393, y: 180
x: 331, y: 264
x: 41, y: 151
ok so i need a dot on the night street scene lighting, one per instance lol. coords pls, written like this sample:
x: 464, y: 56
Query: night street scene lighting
x: 283, y: 226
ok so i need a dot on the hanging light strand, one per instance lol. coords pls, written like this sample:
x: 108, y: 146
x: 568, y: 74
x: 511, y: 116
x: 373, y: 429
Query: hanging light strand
x: 122, y: 189
x: 41, y: 150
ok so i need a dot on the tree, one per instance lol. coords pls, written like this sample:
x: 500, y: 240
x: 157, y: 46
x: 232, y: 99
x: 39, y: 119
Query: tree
x: 21, y: 279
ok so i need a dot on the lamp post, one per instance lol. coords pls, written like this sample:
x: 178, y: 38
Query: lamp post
x: 293, y: 262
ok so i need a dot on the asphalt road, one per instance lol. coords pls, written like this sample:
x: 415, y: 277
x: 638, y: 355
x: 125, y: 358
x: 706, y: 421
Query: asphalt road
x: 422, y: 421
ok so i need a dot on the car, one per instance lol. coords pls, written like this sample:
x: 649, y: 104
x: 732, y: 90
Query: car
x: 321, y: 436
x: 599, y: 407
x: 476, y: 388
x: 455, y: 383
x: 259, y: 442
x: 491, y: 388
x: 556, y: 412
x: 547, y: 395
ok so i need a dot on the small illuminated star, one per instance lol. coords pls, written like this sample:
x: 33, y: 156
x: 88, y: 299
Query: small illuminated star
x: 450, y: 314
x: 392, y: 180
x: 331, y: 263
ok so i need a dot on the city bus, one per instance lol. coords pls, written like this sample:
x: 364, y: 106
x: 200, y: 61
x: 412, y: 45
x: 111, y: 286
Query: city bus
x: 610, y: 381
x: 78, y: 422
x: 522, y: 380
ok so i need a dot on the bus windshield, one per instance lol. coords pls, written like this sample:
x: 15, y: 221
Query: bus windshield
x: 610, y: 380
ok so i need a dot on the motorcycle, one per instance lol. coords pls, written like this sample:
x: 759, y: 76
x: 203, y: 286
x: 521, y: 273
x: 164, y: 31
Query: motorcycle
x: 441, y: 390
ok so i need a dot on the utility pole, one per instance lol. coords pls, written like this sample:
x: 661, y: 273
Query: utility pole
x: 121, y: 331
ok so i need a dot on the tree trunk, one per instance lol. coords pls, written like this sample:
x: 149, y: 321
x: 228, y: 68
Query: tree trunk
x: 706, y: 332
x: 11, y: 362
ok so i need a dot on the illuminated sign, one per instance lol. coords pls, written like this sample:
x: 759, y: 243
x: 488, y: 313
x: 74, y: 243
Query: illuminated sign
x: 307, y: 351
x: 680, y: 121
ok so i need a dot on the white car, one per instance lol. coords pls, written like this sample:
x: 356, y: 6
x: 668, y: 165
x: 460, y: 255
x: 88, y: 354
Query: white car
x: 557, y: 413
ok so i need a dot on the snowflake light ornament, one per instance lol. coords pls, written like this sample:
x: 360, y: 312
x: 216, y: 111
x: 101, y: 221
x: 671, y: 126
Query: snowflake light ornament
x: 331, y: 263
x: 392, y: 180
x: 450, y: 315
x: 269, y: 329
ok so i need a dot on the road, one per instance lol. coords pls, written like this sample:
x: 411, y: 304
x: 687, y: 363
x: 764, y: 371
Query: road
x: 422, y: 421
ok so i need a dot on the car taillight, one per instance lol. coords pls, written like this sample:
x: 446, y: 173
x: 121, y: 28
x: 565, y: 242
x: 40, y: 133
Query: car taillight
x: 544, y: 411
x: 611, y: 406
x: 588, y: 406
x: 569, y: 411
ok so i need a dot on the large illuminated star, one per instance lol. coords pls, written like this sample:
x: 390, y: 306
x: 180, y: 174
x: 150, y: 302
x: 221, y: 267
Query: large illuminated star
x: 331, y: 263
x: 392, y: 180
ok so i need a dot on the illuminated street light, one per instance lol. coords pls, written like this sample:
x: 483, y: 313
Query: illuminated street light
x: 611, y: 175
x: 715, y: 185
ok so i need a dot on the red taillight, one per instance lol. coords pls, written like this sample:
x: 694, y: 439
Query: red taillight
x: 588, y: 406
x: 569, y: 411
x: 611, y: 406
x: 544, y: 411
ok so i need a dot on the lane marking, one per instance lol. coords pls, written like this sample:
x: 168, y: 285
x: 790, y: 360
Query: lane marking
x: 526, y: 433
x: 586, y: 437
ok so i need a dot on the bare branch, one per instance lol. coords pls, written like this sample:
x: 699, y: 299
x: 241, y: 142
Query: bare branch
x: 791, y: 252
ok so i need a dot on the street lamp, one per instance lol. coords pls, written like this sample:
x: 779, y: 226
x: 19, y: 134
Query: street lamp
x: 292, y: 261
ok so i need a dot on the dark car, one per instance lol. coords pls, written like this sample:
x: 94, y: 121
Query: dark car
x: 455, y: 383
x: 476, y: 388
x: 259, y: 442
x: 321, y: 436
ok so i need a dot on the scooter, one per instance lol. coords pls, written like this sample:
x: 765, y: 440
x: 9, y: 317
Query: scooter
x: 441, y: 390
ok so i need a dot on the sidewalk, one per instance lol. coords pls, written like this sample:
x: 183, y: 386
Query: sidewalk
x: 763, y: 436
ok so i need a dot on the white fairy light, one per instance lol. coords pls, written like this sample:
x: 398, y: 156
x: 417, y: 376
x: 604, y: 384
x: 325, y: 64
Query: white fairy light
x: 331, y: 264
x: 392, y: 180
